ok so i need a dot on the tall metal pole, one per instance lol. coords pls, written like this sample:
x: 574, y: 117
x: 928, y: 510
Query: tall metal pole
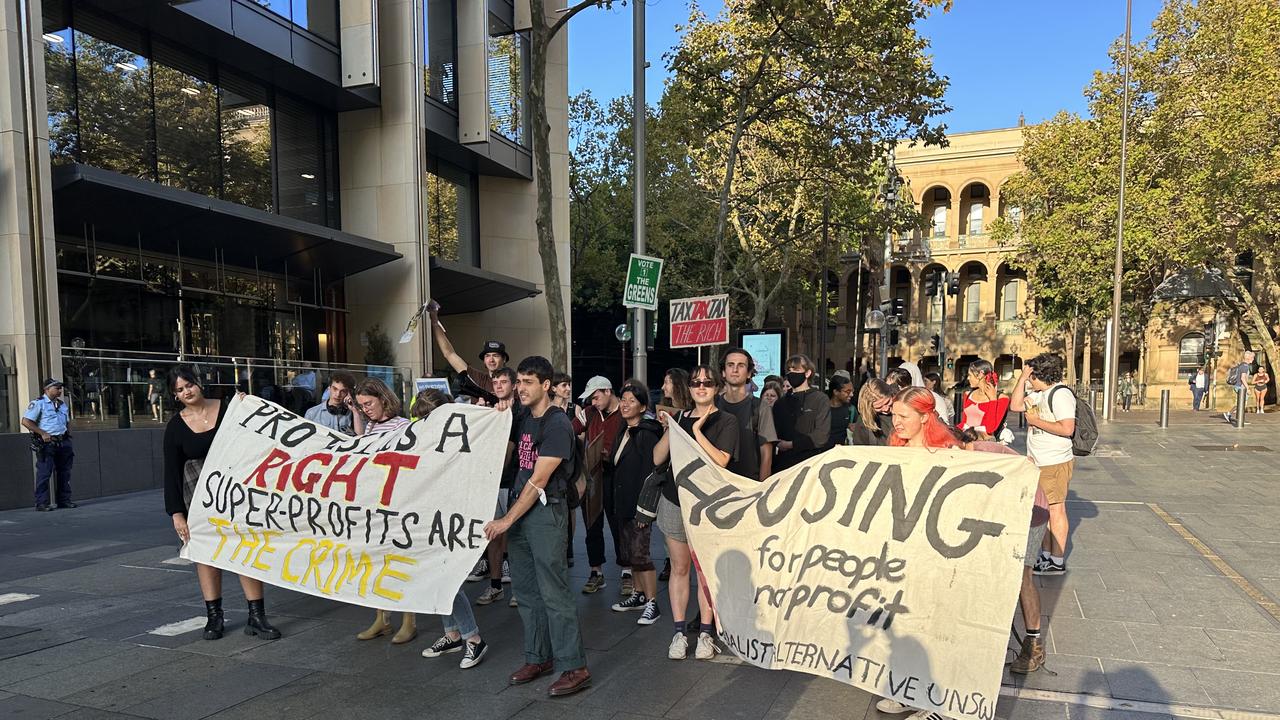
x: 891, y: 200
x: 1113, y: 353
x: 640, y: 357
x: 826, y: 237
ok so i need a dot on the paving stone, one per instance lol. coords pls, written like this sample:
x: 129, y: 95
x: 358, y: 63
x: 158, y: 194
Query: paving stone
x: 1092, y: 638
x: 806, y: 696
x: 1134, y: 581
x: 31, y: 708
x: 1194, y: 611
x: 1174, y: 645
x: 60, y: 684
x: 1021, y: 709
x: 1085, y: 712
x: 1153, y: 683
x: 1252, y: 691
x: 33, y: 664
x: 29, y: 642
x: 1068, y: 673
x: 1250, y: 651
x: 1112, y: 605
x: 739, y: 693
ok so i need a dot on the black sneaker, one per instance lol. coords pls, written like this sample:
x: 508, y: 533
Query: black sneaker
x: 473, y: 654
x: 651, y: 613
x: 1046, y: 566
x: 636, y: 601
x: 443, y: 646
x: 481, y: 571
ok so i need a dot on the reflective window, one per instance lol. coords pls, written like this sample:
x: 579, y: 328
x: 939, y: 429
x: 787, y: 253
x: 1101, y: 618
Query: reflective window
x: 318, y: 16
x: 507, y: 55
x: 246, y: 144
x: 451, y: 211
x: 113, y: 98
x: 186, y: 130
x: 1009, y: 300
x: 300, y: 162
x: 940, y: 221
x: 441, y: 51
x: 1190, y: 354
x: 59, y: 82
x: 975, y: 218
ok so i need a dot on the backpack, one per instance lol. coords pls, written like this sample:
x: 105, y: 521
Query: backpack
x: 1085, y: 437
x: 572, y: 470
x: 1233, y: 375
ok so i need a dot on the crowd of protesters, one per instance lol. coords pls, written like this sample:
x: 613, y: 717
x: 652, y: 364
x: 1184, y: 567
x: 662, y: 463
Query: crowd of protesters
x: 753, y: 427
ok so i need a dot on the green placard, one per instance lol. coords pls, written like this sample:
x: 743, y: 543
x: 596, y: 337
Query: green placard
x: 643, y: 275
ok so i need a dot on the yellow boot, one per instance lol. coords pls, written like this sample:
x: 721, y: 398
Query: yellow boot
x: 408, y: 629
x: 381, y: 626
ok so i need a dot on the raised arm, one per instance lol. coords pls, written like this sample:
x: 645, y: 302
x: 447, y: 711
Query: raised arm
x: 446, y: 347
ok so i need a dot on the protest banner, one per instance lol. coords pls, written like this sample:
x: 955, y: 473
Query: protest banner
x: 895, y: 570
x: 699, y: 321
x: 391, y: 520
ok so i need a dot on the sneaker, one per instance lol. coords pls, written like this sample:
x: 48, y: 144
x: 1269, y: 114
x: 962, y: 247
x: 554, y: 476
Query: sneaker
x: 443, y: 646
x: 506, y: 572
x: 889, y: 706
x: 628, y: 585
x: 472, y: 654
x: 706, y: 647
x: 490, y: 594
x: 651, y: 613
x: 1031, y: 658
x: 679, y: 647
x: 1226, y: 416
x: 595, y: 583
x: 1046, y: 566
x: 513, y: 602
x: 480, y: 572
x: 925, y: 715
x: 637, y: 601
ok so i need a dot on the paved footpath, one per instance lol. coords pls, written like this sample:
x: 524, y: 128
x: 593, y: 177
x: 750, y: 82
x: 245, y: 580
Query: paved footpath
x: 1174, y: 563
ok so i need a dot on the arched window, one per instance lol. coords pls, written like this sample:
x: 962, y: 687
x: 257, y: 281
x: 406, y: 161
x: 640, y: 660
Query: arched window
x: 1009, y: 299
x: 975, y: 217
x: 940, y: 221
x: 1190, y: 354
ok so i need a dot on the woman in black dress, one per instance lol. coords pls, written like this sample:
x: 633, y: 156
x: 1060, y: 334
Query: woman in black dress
x: 187, y: 439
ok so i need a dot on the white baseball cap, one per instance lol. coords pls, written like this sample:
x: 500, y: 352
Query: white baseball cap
x: 599, y: 382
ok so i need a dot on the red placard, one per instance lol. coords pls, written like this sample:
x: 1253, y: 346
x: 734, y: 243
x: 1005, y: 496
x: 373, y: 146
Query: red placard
x: 700, y: 321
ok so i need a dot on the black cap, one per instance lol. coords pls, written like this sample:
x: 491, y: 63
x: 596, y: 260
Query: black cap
x: 50, y: 382
x: 492, y: 346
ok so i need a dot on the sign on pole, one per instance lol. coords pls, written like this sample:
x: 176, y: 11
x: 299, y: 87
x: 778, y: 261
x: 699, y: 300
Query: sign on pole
x: 643, y: 275
x: 700, y: 321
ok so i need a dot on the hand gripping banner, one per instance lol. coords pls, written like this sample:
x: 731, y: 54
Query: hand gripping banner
x: 391, y: 521
x: 895, y: 570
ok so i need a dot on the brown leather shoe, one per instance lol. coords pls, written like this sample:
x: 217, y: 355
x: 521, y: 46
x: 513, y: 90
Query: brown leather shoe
x: 570, y: 682
x: 530, y: 672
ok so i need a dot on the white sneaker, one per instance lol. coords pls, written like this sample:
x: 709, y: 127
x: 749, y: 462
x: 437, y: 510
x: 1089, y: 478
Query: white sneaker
x: 925, y: 715
x: 679, y: 647
x: 506, y: 571
x: 893, y: 707
x: 706, y: 647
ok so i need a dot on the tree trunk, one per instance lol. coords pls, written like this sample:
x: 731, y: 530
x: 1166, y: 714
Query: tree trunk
x: 1086, y: 371
x: 553, y: 292
x: 1070, y: 348
x: 1249, y: 319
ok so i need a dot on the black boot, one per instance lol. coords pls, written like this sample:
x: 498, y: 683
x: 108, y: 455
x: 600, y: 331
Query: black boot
x: 213, y: 628
x: 258, y: 624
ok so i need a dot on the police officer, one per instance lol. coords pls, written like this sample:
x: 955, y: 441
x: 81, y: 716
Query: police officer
x: 48, y: 417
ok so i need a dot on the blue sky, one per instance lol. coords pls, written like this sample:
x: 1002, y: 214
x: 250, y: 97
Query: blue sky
x: 1003, y: 57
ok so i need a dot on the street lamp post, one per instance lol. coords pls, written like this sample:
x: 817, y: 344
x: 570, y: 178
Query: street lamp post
x: 1113, y: 337
x: 890, y: 194
x: 640, y: 359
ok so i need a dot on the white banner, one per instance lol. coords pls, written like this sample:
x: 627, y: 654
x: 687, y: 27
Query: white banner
x: 391, y: 521
x: 895, y: 570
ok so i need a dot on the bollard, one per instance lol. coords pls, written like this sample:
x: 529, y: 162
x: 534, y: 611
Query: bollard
x: 1241, y: 397
x: 1164, y: 408
x: 1093, y: 400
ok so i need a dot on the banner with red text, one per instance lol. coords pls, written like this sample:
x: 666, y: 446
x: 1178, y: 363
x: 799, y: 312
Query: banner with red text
x: 896, y: 570
x: 391, y: 520
x: 699, y: 321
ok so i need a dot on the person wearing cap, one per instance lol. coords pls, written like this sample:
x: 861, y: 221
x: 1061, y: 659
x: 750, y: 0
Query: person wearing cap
x: 600, y: 425
x: 493, y: 356
x: 48, y: 418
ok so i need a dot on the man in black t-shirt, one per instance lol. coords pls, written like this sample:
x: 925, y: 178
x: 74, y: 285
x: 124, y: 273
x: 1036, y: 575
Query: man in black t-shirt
x: 756, y: 434
x: 536, y: 526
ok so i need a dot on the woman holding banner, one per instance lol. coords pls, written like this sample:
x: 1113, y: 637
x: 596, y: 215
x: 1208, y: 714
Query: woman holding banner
x: 375, y: 409
x: 717, y: 434
x: 916, y: 422
x: 187, y: 439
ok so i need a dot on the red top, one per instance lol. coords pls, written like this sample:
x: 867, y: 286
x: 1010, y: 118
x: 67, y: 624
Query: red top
x: 993, y: 412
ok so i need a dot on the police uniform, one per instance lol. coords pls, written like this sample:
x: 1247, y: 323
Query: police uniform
x: 53, y: 417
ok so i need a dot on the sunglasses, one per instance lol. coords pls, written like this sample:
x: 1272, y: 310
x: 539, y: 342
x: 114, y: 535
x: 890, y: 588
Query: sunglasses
x: 702, y: 383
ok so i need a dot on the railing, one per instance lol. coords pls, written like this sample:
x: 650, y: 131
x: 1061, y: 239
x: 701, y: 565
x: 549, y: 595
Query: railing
x: 115, y: 388
x: 1009, y: 327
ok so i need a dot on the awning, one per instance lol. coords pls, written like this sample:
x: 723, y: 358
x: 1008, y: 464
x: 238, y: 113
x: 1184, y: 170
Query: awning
x: 463, y: 289
x: 128, y: 211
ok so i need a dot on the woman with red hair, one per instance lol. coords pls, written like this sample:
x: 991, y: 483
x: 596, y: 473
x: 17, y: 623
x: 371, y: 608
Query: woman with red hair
x: 916, y: 422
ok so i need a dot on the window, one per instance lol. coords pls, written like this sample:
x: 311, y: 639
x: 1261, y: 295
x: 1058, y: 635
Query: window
x: 113, y: 98
x: 975, y: 218
x: 507, y: 61
x: 186, y: 117
x: 1009, y: 299
x: 439, y: 17
x: 59, y: 63
x: 940, y: 221
x: 1190, y: 354
x: 973, y: 301
x: 318, y: 16
x: 246, y: 144
x: 451, y: 213
x: 935, y: 308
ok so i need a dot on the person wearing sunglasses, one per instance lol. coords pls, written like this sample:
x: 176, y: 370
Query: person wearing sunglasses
x: 717, y: 434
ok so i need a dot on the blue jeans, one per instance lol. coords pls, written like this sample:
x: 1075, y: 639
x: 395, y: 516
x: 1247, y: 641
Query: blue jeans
x: 462, y: 621
x: 1197, y: 395
x: 56, y: 458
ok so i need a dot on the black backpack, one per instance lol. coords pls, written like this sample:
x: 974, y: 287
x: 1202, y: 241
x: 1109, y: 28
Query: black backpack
x: 1085, y: 437
x: 572, y: 472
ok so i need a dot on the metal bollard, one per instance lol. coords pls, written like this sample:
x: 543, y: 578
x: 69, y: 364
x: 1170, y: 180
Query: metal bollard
x: 1164, y: 408
x: 1093, y: 400
x: 1241, y: 397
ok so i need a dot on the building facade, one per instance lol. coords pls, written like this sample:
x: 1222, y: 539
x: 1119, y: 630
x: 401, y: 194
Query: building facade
x: 958, y: 191
x: 268, y: 188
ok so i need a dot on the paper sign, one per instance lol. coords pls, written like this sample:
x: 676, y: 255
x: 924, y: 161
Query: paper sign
x: 700, y: 321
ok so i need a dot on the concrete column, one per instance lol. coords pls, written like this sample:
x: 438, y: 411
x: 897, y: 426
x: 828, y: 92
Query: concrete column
x: 30, y: 334
x: 381, y: 160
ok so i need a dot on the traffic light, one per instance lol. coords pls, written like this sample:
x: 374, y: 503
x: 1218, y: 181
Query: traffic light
x: 899, y: 309
x: 893, y: 336
x: 953, y: 283
x: 935, y: 341
x: 931, y: 285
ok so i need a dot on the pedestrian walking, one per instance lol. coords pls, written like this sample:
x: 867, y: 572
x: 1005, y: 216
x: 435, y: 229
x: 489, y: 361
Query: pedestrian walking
x: 632, y: 461
x: 48, y: 418
x: 535, y: 525
x: 1127, y: 388
x: 1199, y: 383
x: 717, y: 434
x: 1239, y: 378
x: 802, y: 417
x: 1050, y: 409
x: 155, y: 394
x: 187, y: 439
